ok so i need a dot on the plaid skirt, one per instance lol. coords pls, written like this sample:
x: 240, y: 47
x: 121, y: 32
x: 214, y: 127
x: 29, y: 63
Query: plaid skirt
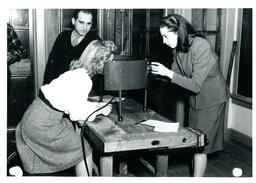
x: 46, y: 141
x: 211, y: 122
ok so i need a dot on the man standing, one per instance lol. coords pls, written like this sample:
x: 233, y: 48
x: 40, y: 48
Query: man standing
x: 69, y: 45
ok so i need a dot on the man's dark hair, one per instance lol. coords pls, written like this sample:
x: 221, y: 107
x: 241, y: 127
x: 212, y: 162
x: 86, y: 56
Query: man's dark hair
x: 77, y: 11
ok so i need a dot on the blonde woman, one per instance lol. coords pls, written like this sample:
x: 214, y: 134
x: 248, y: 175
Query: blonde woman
x: 46, y: 141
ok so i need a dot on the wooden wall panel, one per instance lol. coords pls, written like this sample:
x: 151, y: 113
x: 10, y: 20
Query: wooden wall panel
x: 122, y: 30
x: 52, y: 26
x: 109, y: 24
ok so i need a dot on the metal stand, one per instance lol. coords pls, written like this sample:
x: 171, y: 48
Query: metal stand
x: 120, y: 118
x: 145, y: 100
x: 101, y: 88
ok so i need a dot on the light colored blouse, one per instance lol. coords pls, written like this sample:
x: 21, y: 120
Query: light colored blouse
x: 69, y: 93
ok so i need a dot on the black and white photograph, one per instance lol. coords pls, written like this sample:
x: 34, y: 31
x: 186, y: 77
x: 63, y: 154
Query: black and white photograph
x: 159, y: 93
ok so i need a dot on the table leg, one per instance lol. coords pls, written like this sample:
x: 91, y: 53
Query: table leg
x: 106, y: 166
x: 161, y: 165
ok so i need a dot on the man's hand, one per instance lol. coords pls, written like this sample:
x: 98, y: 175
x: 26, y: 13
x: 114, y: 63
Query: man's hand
x: 10, y: 58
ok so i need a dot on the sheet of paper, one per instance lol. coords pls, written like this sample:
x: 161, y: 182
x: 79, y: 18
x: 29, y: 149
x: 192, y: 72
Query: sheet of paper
x: 161, y: 126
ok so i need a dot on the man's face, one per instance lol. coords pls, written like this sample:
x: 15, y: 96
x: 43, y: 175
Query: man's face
x: 83, y: 23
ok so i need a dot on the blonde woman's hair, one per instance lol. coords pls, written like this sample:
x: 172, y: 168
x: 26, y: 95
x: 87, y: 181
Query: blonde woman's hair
x: 94, y: 56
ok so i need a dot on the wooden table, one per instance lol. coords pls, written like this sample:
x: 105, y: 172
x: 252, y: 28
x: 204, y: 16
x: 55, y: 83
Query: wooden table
x: 110, y: 136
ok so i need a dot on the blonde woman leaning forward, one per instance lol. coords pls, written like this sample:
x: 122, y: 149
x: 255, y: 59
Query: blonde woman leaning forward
x: 46, y: 141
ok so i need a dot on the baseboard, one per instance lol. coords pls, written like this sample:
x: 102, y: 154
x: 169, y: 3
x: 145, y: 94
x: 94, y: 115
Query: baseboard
x: 239, y: 137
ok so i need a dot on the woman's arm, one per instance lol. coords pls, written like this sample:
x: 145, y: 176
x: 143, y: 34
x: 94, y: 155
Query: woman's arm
x: 160, y: 69
x: 83, y: 115
x: 202, y: 61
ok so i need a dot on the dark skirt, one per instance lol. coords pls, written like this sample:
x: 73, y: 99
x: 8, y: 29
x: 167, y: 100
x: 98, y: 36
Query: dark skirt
x: 46, y: 141
x: 211, y: 122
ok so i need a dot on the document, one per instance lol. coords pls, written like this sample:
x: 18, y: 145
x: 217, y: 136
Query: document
x: 161, y: 126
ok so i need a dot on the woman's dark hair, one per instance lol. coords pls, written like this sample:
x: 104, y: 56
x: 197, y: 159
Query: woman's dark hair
x: 77, y: 11
x: 178, y: 24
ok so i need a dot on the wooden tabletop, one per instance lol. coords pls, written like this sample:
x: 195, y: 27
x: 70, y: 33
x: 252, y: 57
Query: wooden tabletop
x: 110, y: 135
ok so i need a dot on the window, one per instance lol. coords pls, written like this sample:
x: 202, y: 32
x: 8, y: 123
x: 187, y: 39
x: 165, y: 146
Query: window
x: 207, y: 23
x: 245, y: 59
x: 243, y: 66
x: 145, y: 30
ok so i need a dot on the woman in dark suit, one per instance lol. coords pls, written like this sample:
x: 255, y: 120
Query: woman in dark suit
x: 196, y: 68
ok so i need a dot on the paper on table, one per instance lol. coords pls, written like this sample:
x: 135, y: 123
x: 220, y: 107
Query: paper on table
x: 160, y: 126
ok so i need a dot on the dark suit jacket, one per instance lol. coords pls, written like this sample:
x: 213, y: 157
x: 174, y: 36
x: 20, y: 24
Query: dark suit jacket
x: 198, y: 71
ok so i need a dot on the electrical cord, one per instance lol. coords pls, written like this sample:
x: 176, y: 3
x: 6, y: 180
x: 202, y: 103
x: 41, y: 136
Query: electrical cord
x: 82, y: 132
